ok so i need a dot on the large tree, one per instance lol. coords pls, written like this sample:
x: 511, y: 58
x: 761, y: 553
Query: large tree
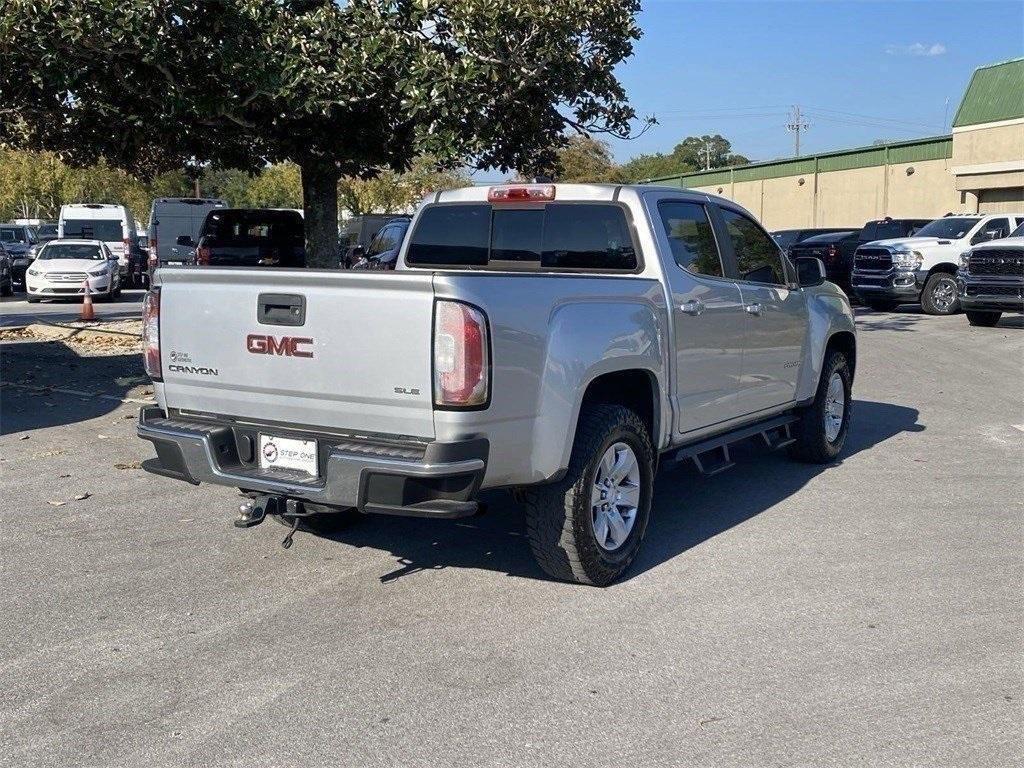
x: 706, y: 152
x: 338, y: 88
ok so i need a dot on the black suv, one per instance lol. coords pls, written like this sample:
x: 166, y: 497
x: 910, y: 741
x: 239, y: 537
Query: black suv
x: 837, y: 249
x: 249, y: 237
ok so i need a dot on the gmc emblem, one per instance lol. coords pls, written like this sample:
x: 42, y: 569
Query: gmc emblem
x: 258, y: 344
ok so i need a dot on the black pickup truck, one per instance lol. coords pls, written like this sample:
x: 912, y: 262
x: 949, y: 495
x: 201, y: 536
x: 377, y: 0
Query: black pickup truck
x: 836, y: 249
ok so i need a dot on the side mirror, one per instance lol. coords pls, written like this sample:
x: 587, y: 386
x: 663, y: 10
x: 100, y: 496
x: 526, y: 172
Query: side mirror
x: 185, y: 240
x: 810, y: 271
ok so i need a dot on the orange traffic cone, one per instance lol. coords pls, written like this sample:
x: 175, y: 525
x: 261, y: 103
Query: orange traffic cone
x: 87, y: 311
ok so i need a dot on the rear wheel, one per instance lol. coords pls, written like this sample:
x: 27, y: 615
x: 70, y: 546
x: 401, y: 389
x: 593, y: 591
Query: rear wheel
x: 882, y: 305
x: 588, y: 527
x: 939, y: 295
x: 821, y: 431
x: 983, y: 319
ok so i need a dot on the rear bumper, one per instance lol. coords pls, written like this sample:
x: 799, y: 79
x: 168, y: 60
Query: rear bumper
x: 430, y: 479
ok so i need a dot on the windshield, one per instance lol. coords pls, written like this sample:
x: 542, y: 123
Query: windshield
x: 72, y: 251
x: 12, y: 234
x: 107, y: 230
x: 249, y: 227
x: 47, y: 231
x: 951, y: 227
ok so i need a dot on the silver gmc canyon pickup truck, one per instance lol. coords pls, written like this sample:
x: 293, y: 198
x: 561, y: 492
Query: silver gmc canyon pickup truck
x: 555, y: 340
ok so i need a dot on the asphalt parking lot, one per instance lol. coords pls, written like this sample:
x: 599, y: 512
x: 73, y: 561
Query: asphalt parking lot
x: 14, y: 310
x: 867, y: 613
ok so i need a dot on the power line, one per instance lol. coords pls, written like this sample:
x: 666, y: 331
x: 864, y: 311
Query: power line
x: 870, y: 117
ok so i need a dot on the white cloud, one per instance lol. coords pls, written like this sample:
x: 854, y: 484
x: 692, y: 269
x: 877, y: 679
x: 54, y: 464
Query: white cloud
x: 915, y: 49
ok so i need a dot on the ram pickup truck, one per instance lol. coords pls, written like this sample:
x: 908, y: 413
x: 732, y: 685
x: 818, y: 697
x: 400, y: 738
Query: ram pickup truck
x: 923, y: 268
x: 555, y: 340
x: 991, y: 279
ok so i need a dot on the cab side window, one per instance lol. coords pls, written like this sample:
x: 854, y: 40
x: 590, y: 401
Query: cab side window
x: 758, y: 259
x: 691, y: 237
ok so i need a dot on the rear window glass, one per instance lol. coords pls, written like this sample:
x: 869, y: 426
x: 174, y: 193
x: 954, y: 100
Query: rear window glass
x: 107, y: 230
x: 555, y: 236
x: 235, y: 227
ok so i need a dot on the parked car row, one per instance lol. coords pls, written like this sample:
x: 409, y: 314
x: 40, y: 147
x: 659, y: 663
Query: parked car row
x: 889, y: 262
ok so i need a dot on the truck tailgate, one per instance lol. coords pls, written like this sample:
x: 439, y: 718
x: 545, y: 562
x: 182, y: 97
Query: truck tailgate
x: 318, y: 349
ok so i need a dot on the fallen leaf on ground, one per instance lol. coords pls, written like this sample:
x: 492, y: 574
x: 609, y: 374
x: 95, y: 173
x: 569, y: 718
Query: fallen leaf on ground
x: 56, y: 503
x: 83, y: 496
x: 24, y: 437
x: 128, y: 465
x: 102, y: 437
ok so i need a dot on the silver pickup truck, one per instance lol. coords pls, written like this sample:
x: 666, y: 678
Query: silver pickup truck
x: 555, y: 340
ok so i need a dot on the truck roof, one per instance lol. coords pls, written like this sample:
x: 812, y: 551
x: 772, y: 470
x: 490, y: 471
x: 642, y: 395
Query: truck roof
x: 598, y: 192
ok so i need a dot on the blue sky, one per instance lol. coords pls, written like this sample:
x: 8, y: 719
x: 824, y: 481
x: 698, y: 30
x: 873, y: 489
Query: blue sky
x: 856, y: 68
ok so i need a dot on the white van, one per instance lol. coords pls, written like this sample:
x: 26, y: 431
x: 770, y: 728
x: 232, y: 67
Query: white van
x: 171, y: 218
x: 109, y: 223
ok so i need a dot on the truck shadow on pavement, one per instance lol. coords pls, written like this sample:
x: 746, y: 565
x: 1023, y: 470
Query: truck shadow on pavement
x: 48, y: 384
x: 688, y: 509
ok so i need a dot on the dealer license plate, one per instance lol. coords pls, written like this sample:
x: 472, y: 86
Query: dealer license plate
x: 287, y: 453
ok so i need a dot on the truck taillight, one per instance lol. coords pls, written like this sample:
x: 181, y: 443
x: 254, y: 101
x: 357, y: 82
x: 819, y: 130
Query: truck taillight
x: 126, y: 244
x: 521, y: 193
x: 833, y: 251
x: 461, y: 360
x: 152, y: 262
x: 151, y: 334
x: 203, y: 254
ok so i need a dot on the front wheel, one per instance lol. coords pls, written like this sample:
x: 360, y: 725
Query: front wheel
x: 939, y: 295
x: 588, y: 527
x: 983, y: 319
x: 821, y: 430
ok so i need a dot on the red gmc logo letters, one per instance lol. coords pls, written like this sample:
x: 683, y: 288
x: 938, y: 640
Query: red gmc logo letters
x: 258, y: 344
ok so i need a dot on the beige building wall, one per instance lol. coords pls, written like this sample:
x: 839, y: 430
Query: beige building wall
x: 928, y: 191
x: 848, y: 198
x: 994, y: 143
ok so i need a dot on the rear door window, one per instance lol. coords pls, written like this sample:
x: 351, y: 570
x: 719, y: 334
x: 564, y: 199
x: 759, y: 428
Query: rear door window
x: 451, y: 236
x: 591, y: 236
x: 587, y: 236
x: 107, y: 230
x: 691, y: 237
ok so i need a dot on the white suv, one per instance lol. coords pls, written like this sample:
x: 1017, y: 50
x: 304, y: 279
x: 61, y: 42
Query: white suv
x: 923, y: 268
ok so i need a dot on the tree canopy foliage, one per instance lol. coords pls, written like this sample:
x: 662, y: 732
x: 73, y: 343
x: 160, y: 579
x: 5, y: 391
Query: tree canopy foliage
x: 338, y: 89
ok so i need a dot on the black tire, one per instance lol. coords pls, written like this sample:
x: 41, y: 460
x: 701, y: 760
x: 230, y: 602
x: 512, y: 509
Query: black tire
x: 983, y: 319
x: 812, y: 444
x: 932, y: 304
x: 882, y: 305
x: 7, y: 289
x: 31, y: 300
x: 559, y: 516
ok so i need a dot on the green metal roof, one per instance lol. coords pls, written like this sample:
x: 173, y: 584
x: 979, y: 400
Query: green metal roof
x: 995, y: 93
x: 915, y: 151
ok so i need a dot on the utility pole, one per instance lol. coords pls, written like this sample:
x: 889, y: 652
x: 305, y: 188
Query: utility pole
x: 796, y: 124
x: 707, y: 155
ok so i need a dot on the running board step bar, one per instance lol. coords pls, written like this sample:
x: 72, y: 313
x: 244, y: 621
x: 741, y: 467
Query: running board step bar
x: 712, y: 455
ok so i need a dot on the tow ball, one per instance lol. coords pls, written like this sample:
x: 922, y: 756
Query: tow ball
x: 255, y: 509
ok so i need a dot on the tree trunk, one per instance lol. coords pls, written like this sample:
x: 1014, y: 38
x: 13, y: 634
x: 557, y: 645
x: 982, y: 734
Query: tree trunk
x: 320, y: 209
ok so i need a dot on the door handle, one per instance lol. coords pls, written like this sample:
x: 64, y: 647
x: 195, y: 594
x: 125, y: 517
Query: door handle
x: 753, y: 309
x: 692, y: 307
